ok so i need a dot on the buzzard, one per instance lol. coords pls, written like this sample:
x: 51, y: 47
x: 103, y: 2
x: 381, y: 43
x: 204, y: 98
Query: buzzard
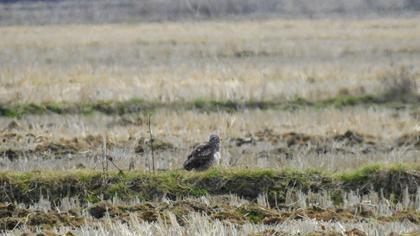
x: 204, y: 155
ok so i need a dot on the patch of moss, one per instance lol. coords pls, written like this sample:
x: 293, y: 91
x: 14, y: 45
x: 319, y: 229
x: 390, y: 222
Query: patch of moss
x: 199, y: 103
x: 198, y: 192
x: 92, y: 198
x: 56, y: 107
x: 119, y: 189
x: 391, y: 180
x: 362, y: 175
x: 336, y: 196
x: 255, y: 213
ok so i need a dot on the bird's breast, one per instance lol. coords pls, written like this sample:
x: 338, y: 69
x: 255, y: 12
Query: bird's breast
x: 217, y: 157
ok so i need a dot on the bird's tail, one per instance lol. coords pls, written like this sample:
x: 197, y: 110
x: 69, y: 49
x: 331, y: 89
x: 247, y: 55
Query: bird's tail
x: 187, y: 165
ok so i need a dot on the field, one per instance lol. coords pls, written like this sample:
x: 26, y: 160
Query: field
x: 319, y: 121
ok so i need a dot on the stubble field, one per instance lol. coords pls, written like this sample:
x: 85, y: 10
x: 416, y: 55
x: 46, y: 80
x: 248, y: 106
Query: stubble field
x: 319, y: 121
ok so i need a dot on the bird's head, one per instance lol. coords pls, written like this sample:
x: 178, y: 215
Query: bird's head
x: 214, y: 139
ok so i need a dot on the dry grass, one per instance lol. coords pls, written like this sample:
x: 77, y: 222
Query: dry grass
x: 248, y: 157
x: 190, y: 126
x: 184, y: 129
x: 254, y: 60
x: 201, y: 224
x: 261, y: 60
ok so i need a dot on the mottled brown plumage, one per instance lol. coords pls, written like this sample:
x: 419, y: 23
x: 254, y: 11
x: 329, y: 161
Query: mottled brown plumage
x: 204, y: 155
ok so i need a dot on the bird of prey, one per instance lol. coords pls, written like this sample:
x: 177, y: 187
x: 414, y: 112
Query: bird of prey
x: 204, y: 155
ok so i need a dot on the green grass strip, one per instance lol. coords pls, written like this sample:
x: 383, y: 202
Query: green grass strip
x: 137, y: 105
x: 91, y: 186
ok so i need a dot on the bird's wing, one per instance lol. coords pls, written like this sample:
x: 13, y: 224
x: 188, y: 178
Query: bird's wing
x: 202, y: 150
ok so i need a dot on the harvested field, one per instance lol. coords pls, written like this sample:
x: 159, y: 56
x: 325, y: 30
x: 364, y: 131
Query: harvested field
x: 330, y: 139
x: 318, y: 116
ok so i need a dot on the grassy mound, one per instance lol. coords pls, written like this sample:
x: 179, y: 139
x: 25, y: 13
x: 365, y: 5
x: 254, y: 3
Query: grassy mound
x: 247, y: 183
